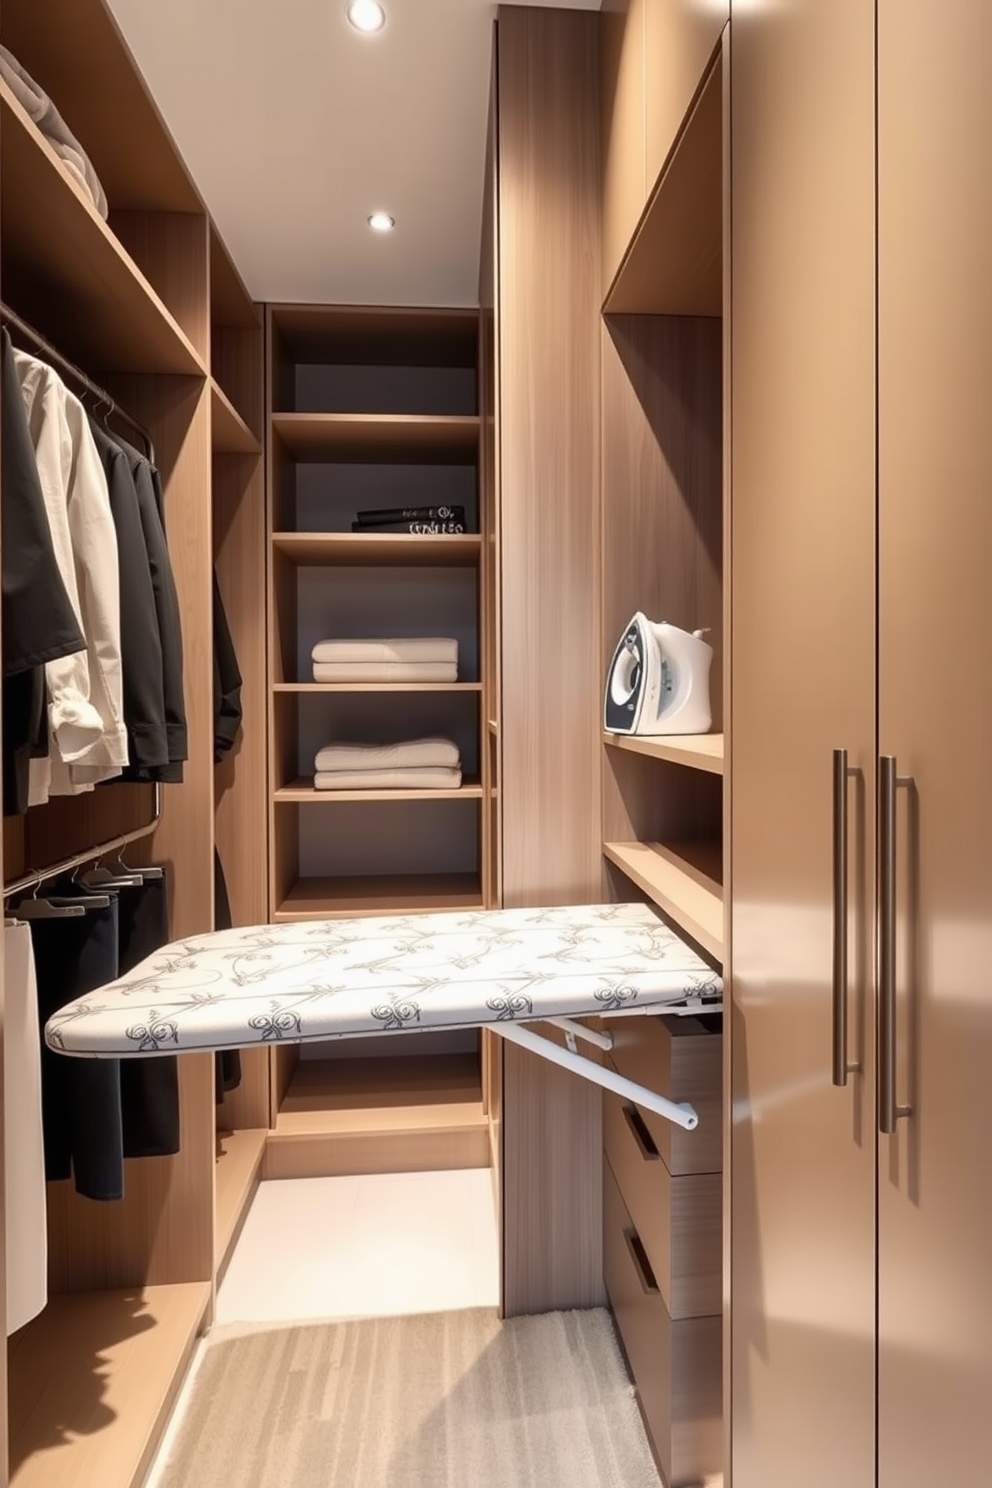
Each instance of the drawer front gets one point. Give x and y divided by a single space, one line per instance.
681 1058
678 1219
676 1364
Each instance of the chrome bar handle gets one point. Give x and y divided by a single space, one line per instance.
839 1074
888 1110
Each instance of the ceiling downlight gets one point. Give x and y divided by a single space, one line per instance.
366 16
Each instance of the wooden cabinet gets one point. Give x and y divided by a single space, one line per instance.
858 1255
662 1241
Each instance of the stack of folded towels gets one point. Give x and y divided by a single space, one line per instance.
407 659
418 764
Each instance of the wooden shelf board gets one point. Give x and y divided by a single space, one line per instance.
390 549
416 893
674 265
93 1380
303 793
231 435
306 688
683 879
85 290
239 1158
698 751
384 438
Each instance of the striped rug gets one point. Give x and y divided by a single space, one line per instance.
447 1400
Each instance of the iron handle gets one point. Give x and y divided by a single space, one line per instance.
840 1065
888 1109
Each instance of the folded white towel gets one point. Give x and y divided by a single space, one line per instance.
418 779
437 753
403 648
385 671
42 112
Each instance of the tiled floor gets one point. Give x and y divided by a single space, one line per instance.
358 1247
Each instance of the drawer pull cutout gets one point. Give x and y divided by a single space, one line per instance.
640 1133
642 1265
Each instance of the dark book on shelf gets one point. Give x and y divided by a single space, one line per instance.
423 529
385 516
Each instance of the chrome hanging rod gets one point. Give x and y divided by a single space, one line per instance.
62 363
88 855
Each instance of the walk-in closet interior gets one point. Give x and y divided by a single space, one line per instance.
727 367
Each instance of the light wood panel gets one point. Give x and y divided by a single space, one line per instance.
237 1170
552 1185
680 37
309 688
230 433
99 1422
623 103
674 263
66 269
683 880
680 1058
172 250
385 438
390 549
549 454
417 893
303 792
699 752
231 305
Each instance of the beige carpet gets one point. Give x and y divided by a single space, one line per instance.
448 1400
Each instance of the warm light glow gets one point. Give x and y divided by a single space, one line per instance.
366 15
381 222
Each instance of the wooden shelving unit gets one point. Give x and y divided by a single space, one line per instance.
303 792
68 257
308 689
413 893
239 1162
683 880
380 1115
100 1421
698 751
231 435
379 437
386 549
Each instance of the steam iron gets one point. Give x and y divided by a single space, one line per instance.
658 682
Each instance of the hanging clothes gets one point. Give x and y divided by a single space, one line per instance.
39 623
88 741
148 487
227 681
81 1098
141 645
149 1087
25 1210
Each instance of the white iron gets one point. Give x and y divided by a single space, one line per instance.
658 682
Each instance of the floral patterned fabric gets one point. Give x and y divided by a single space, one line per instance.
336 978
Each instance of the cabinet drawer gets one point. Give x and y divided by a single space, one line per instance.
678 1219
676 1364
681 1058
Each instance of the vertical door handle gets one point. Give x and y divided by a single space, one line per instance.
888 1110
841 1066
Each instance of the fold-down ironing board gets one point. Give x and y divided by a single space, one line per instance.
341 978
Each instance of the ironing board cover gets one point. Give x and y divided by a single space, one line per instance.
333 978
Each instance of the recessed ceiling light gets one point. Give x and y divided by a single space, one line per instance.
366 15
381 222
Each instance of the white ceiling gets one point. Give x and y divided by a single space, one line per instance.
295 128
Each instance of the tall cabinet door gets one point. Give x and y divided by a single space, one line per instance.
935 594
802 1347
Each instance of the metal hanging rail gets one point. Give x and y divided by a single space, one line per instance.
76 374
38 876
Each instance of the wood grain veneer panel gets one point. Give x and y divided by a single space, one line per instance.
236 360
681 1058
680 37
622 91
231 305
549 453
236 1176
171 249
250 1104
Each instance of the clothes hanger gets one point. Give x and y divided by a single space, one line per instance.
58 906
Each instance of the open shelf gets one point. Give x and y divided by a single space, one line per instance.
105 311
93 1380
390 549
683 879
239 1158
407 1113
315 687
389 438
698 751
304 793
230 433
385 894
